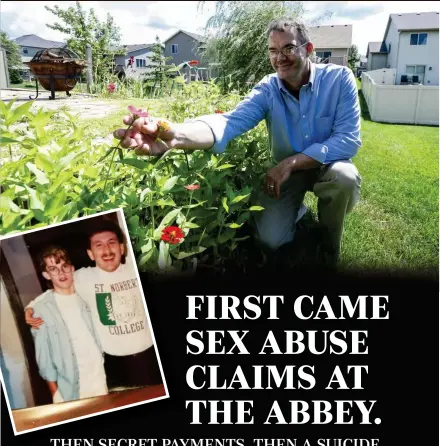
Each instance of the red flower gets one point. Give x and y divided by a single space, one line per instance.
193 62
192 186
138 112
219 111
111 87
172 235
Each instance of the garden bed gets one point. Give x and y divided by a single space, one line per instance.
61 173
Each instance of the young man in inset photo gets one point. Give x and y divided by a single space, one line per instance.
68 352
112 292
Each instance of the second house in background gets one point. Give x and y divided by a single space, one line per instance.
332 43
410 46
134 61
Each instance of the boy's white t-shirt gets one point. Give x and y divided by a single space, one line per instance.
90 361
117 308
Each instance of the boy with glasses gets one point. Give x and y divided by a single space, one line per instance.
68 352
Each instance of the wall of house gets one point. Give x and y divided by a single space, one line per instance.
376 61
187 49
31 51
134 72
403 104
12 357
369 61
336 52
427 55
393 39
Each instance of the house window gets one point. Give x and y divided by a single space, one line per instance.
322 55
140 63
415 70
419 39
25 50
174 48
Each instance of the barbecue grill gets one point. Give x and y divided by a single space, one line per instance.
56 69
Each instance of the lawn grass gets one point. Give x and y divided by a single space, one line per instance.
25 84
394 226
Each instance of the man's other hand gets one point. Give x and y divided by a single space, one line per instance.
30 320
276 176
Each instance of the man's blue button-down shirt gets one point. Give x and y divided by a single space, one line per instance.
324 124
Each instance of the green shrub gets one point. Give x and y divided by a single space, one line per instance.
53 172
14 77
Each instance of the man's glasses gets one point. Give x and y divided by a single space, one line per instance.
66 268
286 51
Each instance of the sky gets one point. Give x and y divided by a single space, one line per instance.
141 21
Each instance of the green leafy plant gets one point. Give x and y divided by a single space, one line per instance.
54 172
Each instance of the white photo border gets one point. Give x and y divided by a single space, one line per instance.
133 259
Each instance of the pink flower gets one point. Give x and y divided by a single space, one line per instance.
137 112
111 87
192 186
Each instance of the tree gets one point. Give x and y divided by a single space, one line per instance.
13 57
353 57
84 28
236 36
158 65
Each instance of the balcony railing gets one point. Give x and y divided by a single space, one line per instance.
337 60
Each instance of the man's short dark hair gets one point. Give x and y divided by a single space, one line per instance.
286 24
56 252
104 225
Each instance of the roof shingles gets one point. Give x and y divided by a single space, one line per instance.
416 21
331 36
132 48
34 41
377 47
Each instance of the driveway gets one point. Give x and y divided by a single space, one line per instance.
85 105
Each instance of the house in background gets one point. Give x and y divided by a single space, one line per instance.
332 43
361 65
411 47
139 54
376 56
183 46
30 44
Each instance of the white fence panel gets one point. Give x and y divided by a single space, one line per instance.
384 76
427 110
401 104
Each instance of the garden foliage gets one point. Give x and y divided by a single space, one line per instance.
53 172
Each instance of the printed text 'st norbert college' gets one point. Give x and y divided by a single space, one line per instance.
117 309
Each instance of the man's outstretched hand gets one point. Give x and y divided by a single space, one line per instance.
147 136
34 322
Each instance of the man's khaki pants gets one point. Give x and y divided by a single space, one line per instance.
337 187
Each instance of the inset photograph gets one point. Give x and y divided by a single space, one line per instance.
76 339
